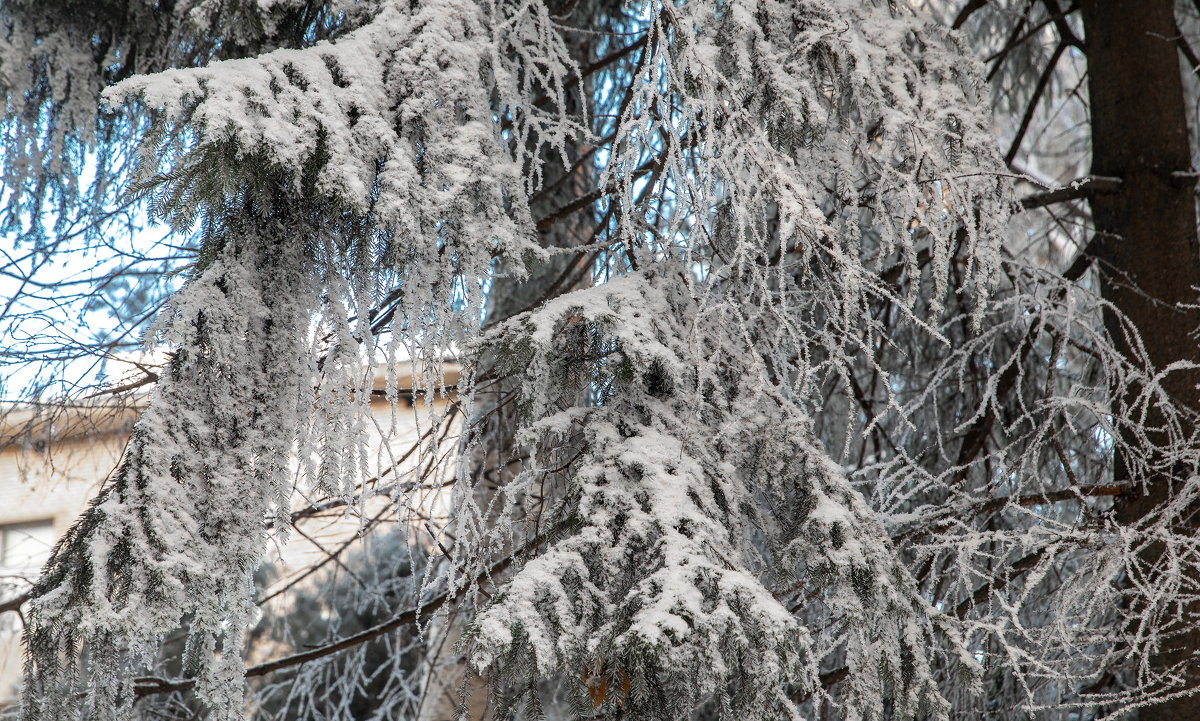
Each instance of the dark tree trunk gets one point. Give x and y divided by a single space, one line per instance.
1149 260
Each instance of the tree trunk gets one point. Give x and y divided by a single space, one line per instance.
1149 263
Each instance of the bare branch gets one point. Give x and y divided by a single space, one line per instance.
1078 189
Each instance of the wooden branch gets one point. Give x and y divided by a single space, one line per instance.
334 556
1186 49
15 603
1078 189
967 11
991 505
650 166
610 58
1017 38
1082 261
334 503
1065 33
147 379
1039 89
981 594
827 680
864 403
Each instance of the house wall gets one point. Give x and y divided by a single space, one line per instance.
38 484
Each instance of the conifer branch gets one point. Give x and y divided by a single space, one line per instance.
1079 189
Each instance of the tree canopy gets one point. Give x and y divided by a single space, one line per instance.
785 391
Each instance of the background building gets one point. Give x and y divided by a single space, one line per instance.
53 459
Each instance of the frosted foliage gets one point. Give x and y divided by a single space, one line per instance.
852 123
676 532
648 586
1012 520
404 103
58 55
655 592
163 539
399 119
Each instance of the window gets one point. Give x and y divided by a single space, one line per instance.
26 546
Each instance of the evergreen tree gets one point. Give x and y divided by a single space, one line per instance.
768 409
